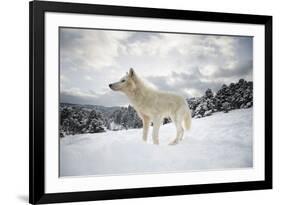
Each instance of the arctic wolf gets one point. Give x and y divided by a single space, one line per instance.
153 105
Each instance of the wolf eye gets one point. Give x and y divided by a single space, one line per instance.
122 81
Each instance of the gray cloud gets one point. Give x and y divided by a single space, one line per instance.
184 63
242 70
188 85
110 98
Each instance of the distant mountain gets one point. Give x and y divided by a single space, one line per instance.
100 108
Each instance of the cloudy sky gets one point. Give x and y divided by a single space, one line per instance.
187 64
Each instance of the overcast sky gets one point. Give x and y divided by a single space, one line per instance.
184 63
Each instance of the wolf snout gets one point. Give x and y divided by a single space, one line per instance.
110 85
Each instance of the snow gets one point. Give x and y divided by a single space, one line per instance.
220 141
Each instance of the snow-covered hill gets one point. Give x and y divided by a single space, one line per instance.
221 141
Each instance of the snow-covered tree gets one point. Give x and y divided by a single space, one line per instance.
235 96
75 120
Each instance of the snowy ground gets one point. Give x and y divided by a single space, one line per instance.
221 141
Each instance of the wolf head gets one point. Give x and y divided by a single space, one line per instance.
126 84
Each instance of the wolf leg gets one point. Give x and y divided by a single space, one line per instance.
180 132
145 122
155 132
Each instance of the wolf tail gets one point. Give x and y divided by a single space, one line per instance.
187 119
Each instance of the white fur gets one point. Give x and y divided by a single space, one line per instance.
153 105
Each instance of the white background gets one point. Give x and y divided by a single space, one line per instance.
14 100
69 184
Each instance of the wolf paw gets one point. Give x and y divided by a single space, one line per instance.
156 142
144 139
174 142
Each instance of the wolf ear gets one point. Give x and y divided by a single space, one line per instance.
131 72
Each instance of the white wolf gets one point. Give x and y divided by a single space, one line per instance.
153 105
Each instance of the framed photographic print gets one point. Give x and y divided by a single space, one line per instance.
140 102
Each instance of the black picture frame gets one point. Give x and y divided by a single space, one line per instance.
37 9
